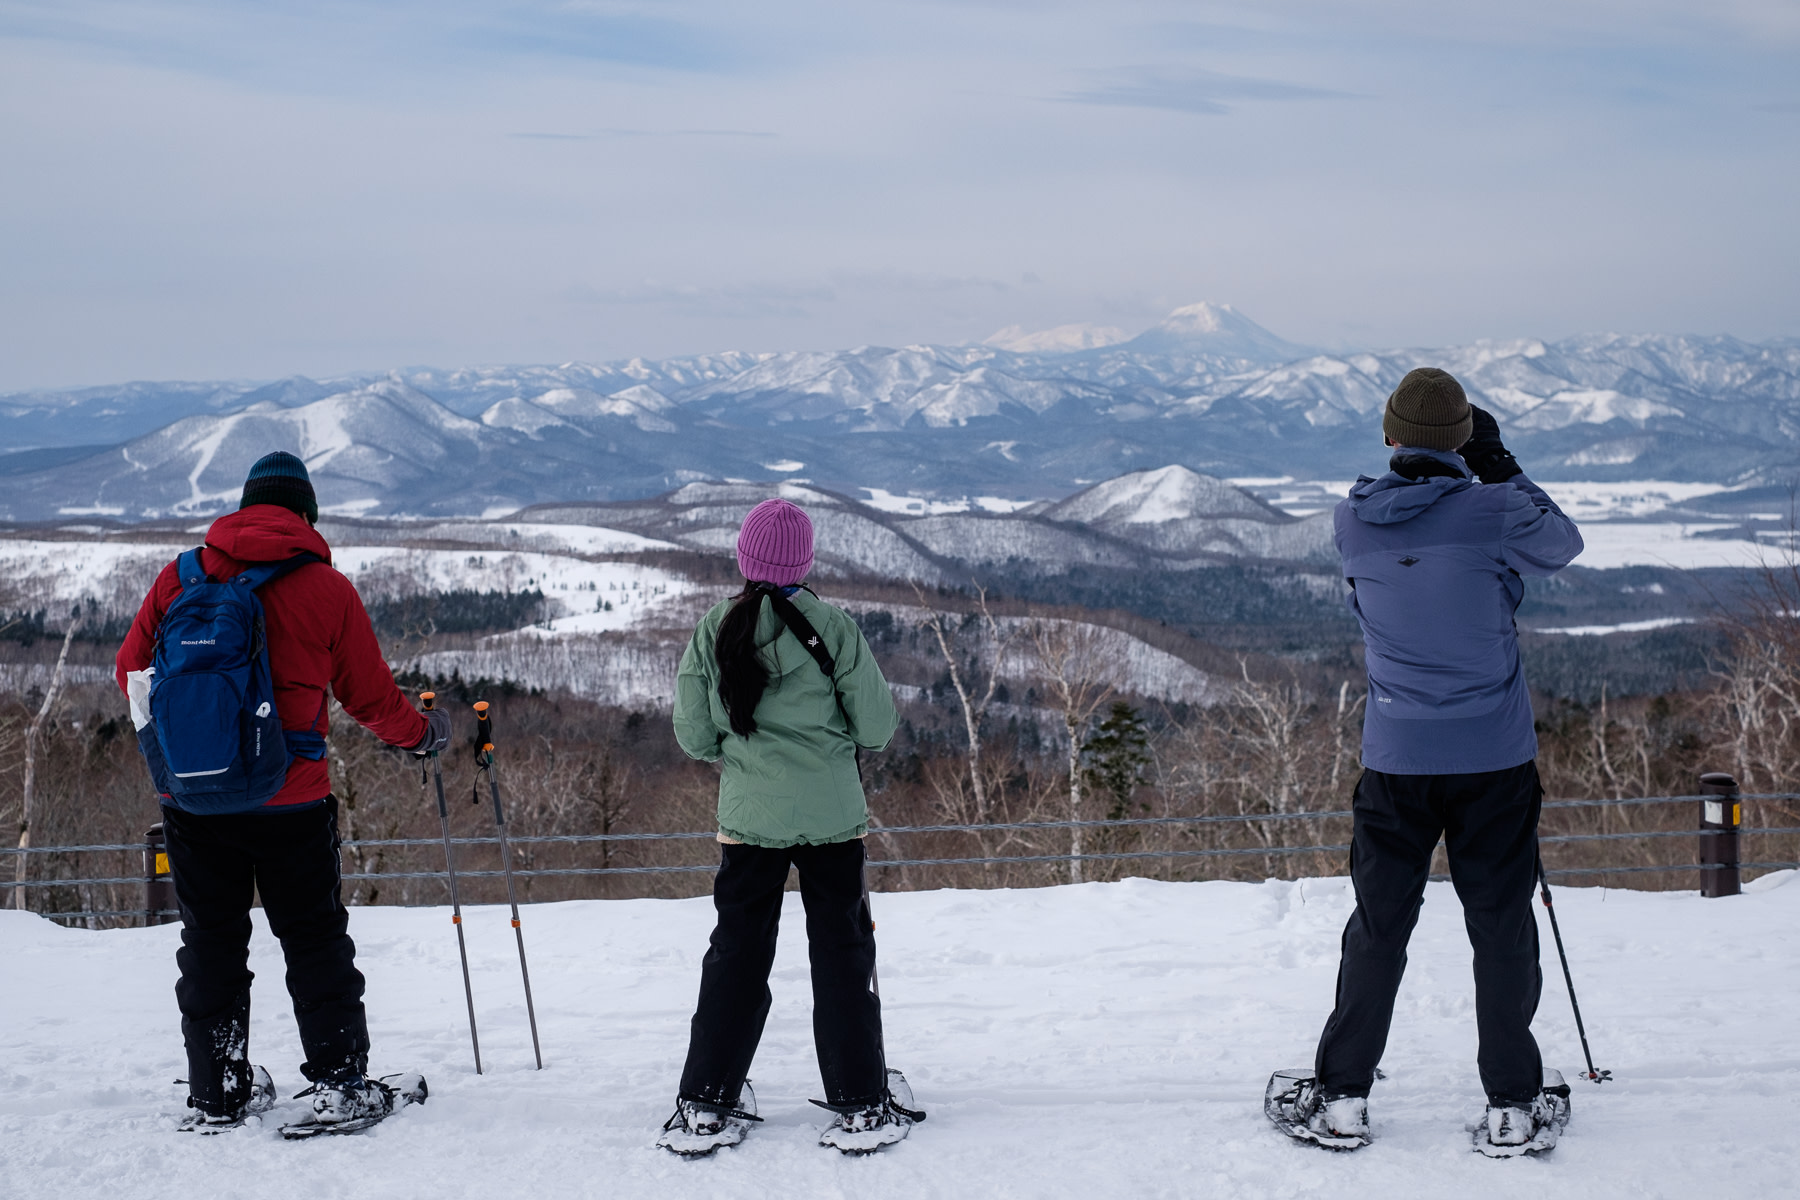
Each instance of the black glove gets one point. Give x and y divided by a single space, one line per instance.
1486 455
437 732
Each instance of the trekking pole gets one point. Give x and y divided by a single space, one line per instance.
437 773
874 975
1544 885
484 757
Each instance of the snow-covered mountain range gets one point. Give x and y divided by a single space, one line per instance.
1166 519
1207 389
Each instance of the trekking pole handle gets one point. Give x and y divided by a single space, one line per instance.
484 728
428 699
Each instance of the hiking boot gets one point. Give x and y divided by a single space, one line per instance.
865 1130
262 1099
350 1098
695 1130
1340 1117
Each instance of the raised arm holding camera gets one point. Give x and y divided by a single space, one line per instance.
1435 552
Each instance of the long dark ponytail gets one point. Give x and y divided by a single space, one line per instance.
742 675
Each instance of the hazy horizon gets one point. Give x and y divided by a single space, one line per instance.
357 372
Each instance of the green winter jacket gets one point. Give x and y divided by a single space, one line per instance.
794 781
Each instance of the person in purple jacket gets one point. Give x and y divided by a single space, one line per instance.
1435 552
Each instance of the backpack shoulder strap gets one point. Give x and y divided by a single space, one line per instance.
189 570
801 628
259 574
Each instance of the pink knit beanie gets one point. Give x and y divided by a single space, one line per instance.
776 544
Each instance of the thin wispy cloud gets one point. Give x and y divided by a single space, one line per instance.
599 135
1186 90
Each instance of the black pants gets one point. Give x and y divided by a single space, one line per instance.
291 860
734 977
1488 821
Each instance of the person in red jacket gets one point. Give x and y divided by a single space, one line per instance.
320 646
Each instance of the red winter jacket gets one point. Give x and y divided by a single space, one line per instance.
319 637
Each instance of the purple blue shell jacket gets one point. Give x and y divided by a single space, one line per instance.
1434 565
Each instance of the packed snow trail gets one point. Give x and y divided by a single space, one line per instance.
1086 1041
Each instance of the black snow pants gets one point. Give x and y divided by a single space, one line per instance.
290 859
1488 821
734 976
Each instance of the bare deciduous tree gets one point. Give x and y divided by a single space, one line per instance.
1071 661
975 683
34 735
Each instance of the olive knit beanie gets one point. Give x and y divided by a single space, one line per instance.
1428 410
775 544
280 478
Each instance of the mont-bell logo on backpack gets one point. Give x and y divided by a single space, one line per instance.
212 696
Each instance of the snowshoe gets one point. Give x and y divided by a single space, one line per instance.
356 1103
262 1099
1293 1103
864 1129
694 1131
1507 1132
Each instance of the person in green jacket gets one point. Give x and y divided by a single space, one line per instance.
781 690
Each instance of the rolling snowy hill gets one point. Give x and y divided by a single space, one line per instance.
1092 1041
1207 389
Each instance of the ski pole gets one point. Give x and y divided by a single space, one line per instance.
437 774
485 759
1544 885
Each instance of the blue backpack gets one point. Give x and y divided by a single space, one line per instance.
214 742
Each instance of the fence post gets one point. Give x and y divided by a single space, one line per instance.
159 888
1719 822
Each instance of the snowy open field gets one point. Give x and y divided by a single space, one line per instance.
1094 1041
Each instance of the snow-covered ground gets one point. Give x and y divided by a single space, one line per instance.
120 573
1666 544
1623 627
891 502
1094 1041
1617 521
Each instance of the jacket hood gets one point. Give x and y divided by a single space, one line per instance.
1395 497
265 533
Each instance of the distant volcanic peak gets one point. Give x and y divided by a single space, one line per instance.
1214 330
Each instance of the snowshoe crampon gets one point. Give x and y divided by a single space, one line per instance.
262 1099
1293 1105
356 1105
1502 1132
695 1131
867 1128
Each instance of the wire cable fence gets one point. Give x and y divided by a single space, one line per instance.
1634 841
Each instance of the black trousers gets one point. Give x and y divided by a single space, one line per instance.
291 860
1488 821
734 976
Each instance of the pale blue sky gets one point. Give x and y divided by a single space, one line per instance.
206 189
